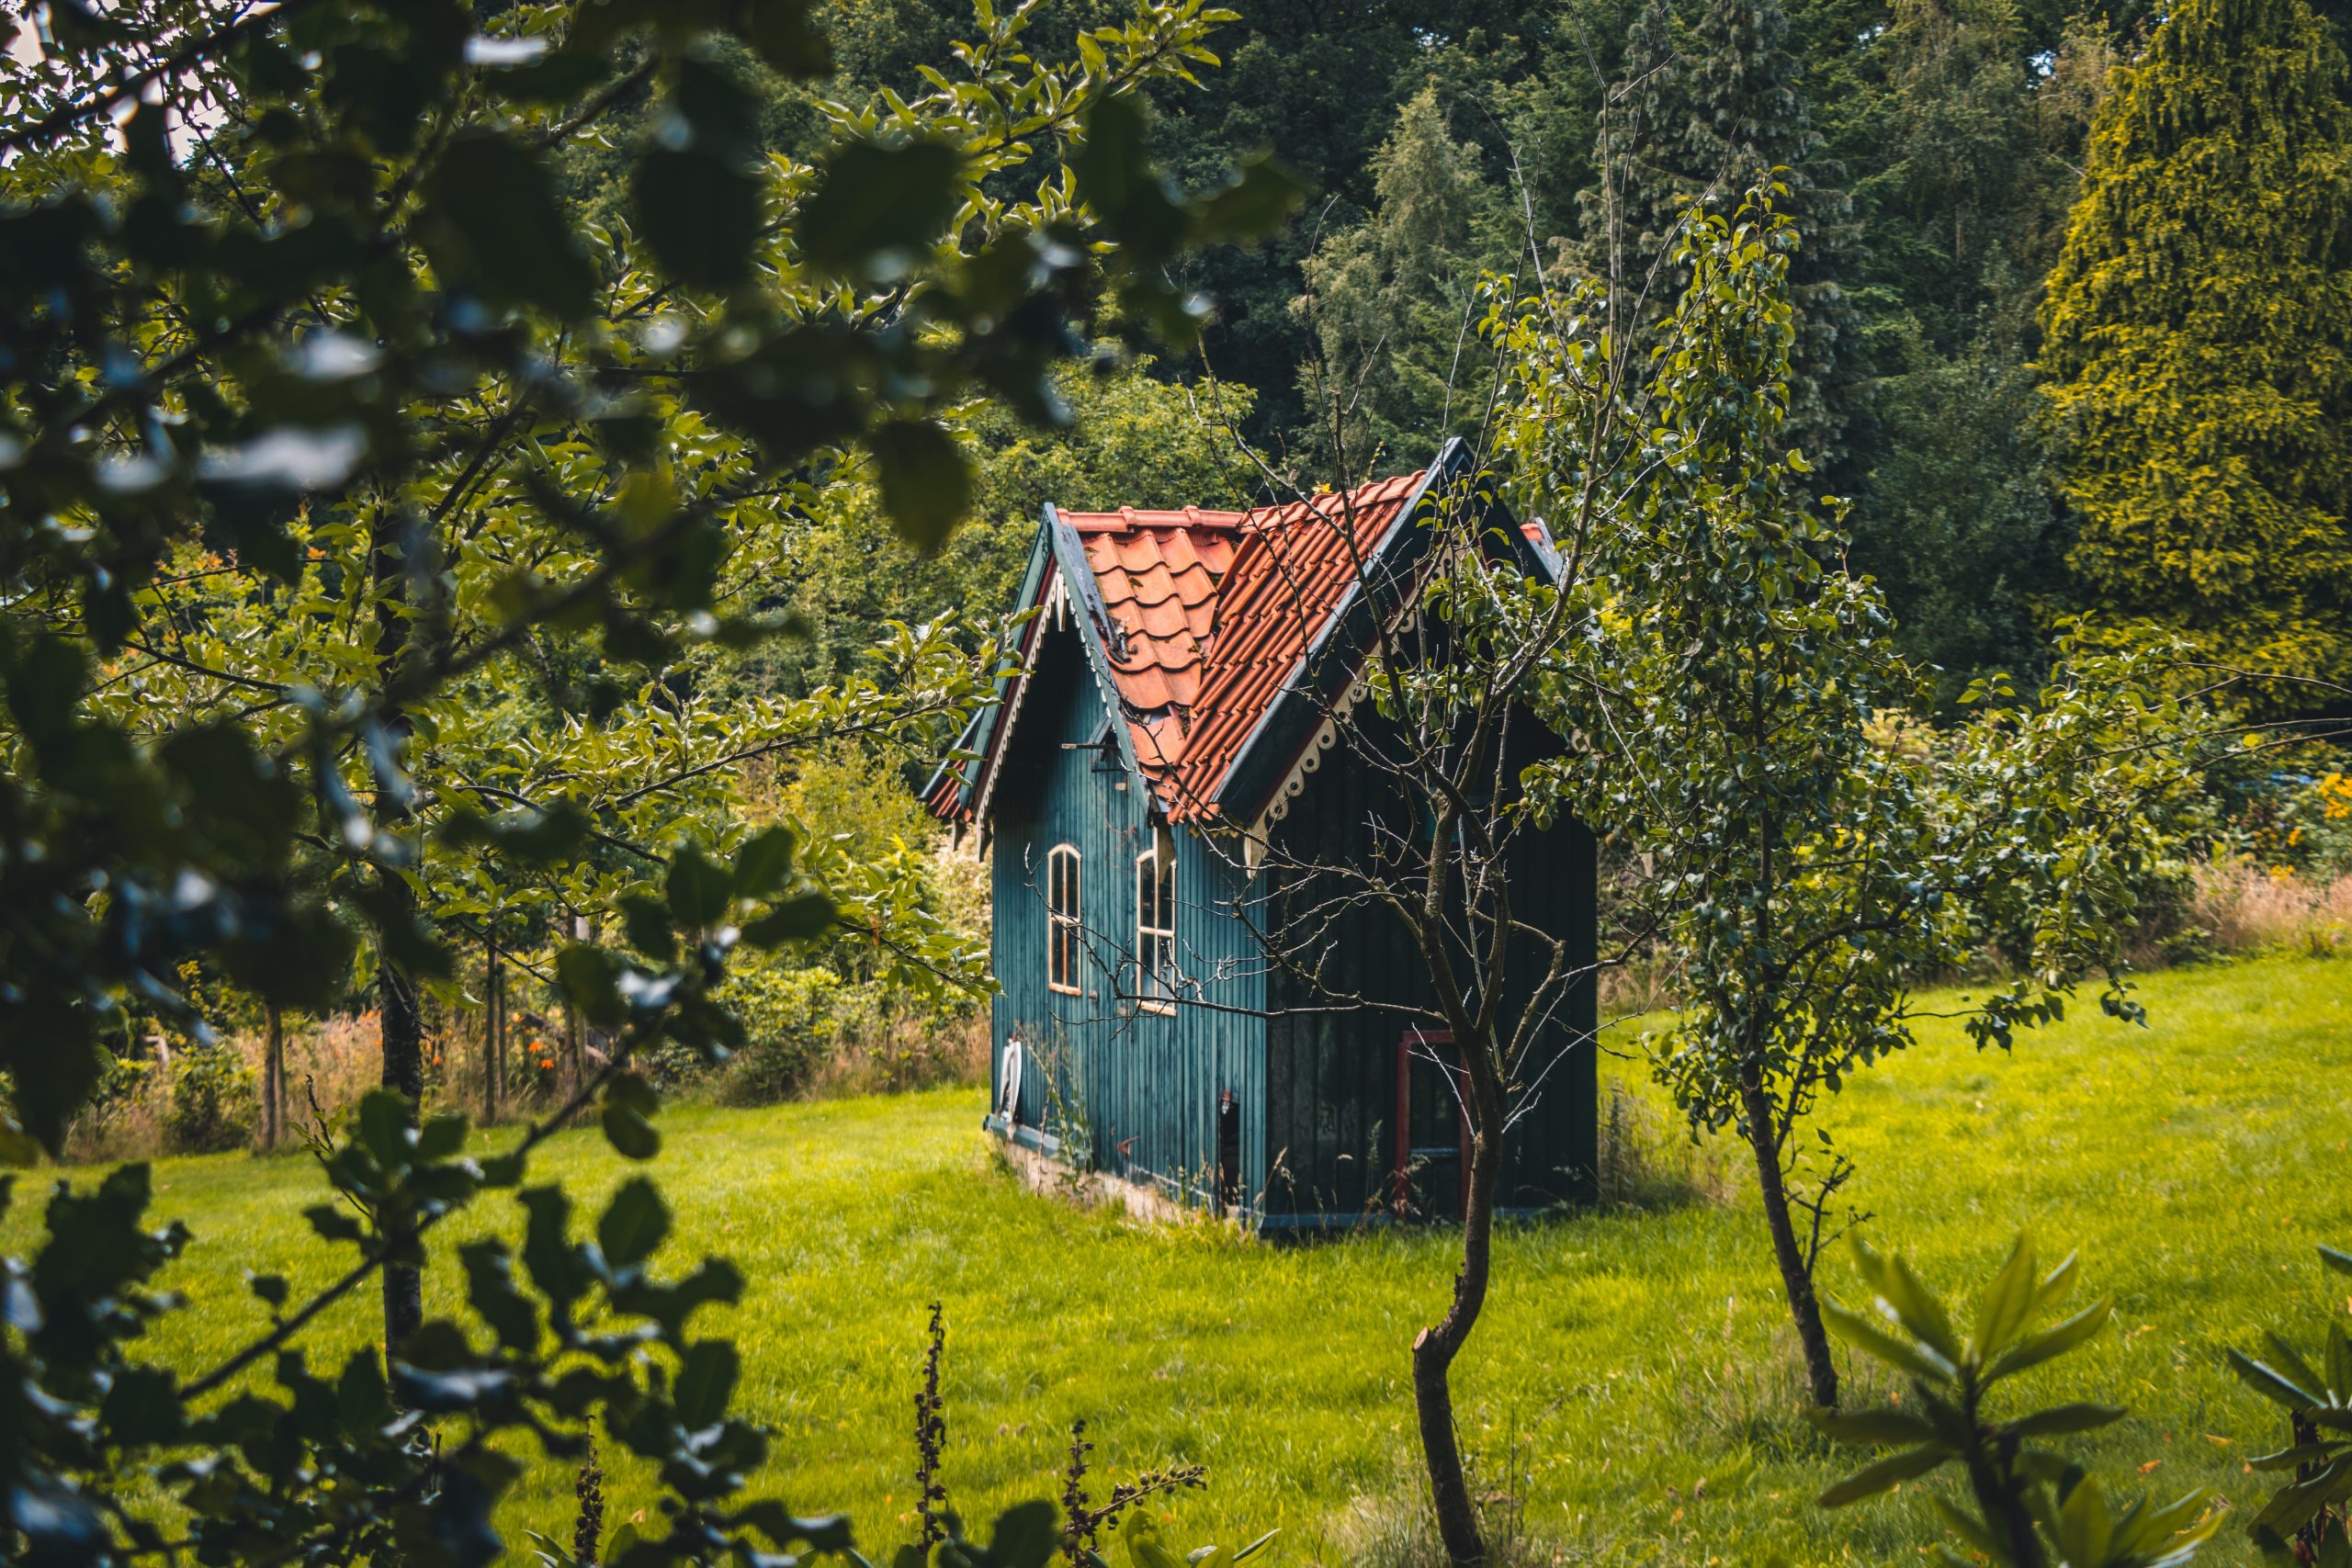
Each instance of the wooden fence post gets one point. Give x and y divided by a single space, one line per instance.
575 1054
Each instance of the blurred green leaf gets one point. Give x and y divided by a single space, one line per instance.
874 204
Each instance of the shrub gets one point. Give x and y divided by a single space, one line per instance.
791 1018
214 1102
2302 819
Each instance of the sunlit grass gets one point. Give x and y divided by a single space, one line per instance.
1630 1388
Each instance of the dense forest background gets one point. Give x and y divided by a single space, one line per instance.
1935 148
2073 304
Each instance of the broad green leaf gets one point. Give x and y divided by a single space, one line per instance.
874 203
633 1224
1026 1535
697 889
2060 1419
630 1134
2003 1308
491 224
706 1381
926 485
1866 1336
699 214
2056 1340
801 918
764 863
1880 1428
1255 1546
2270 1384
1873 1479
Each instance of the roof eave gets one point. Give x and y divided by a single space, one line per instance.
979 735
1095 629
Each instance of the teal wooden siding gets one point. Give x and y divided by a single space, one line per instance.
1316 1088
1331 1075
1140 1087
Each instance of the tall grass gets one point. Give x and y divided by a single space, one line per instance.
331 1062
2247 909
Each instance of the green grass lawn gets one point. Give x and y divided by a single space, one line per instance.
1631 1385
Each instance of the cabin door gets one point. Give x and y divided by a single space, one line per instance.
1431 1173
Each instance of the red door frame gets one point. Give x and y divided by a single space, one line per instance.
1400 1199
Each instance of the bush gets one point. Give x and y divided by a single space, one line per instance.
2303 823
214 1102
792 1018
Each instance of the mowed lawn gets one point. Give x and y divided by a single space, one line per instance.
1630 1388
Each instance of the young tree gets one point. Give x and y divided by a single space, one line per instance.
1723 705
2198 343
1423 833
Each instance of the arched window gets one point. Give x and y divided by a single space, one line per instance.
1156 929
1061 919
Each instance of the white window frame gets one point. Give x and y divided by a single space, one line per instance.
1062 925
1155 942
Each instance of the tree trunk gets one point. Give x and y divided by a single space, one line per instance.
504 1062
1435 1348
1797 1278
402 1026
575 1054
493 1046
403 1035
273 1076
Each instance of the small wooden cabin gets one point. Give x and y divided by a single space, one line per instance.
1171 715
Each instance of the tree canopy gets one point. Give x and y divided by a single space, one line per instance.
2200 342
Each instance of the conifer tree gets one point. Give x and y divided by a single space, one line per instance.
1700 120
1394 300
2198 343
1631 217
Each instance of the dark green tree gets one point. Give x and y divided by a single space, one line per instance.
1955 520
2200 345
1638 199
1138 441
1697 120
1320 85
1962 159
1394 302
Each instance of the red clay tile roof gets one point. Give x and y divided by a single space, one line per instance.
1158 573
1214 610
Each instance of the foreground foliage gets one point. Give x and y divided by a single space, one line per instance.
2029 1505
369 528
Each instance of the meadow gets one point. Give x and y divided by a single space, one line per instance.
1630 1396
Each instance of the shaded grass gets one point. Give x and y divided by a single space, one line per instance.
1631 1392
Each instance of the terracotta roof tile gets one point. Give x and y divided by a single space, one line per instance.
1294 566
1214 610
